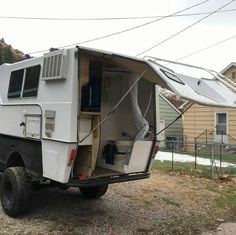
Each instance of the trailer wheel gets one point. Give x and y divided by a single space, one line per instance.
93 192
16 191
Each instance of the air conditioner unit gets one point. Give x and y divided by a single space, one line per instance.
54 65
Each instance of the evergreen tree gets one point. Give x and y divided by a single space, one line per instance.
8 54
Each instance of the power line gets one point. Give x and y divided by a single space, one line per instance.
206 48
128 29
184 29
107 18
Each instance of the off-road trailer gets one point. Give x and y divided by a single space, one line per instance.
85 118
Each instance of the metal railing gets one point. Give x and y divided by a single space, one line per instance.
209 136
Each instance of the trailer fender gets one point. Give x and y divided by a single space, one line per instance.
14 160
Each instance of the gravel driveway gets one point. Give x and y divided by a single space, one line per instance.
163 204
56 211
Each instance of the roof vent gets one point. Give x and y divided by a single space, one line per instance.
54 65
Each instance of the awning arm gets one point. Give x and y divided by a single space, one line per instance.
178 63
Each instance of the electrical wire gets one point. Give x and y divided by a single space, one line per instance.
107 18
184 29
206 48
125 30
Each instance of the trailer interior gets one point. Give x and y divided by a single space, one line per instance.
124 142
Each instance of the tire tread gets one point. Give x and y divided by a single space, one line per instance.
23 192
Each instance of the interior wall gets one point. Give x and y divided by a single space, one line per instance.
121 126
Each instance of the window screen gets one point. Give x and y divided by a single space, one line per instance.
31 81
15 85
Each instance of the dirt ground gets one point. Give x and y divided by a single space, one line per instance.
167 203
223 229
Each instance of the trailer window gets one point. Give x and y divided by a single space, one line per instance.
172 76
15 85
31 81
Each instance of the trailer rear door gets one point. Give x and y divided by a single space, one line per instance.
212 91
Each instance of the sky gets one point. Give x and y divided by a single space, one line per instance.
36 35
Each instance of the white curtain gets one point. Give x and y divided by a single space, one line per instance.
140 122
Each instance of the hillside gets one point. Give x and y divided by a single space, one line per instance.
9 54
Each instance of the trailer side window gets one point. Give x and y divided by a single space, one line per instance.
29 77
15 85
31 81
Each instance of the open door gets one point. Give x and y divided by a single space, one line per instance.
213 91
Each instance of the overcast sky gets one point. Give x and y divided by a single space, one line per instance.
34 35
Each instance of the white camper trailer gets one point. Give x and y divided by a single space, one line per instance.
85 118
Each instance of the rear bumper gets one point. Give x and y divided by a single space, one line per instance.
108 179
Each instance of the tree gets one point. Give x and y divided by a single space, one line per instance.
8 54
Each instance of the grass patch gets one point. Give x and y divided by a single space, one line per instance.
170 202
147 203
207 216
182 167
206 153
226 157
229 170
192 224
189 168
227 197
213 187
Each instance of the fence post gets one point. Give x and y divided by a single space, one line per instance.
221 158
172 149
195 154
212 159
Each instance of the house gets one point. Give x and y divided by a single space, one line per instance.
230 71
168 113
206 123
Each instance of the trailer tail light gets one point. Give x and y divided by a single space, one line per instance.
156 149
83 177
72 157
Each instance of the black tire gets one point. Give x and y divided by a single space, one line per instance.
16 191
93 192
63 187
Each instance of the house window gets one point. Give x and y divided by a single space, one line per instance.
31 81
233 75
27 78
15 85
221 124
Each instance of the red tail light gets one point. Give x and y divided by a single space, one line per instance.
72 157
72 154
83 177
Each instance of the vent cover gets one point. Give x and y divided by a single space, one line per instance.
54 65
